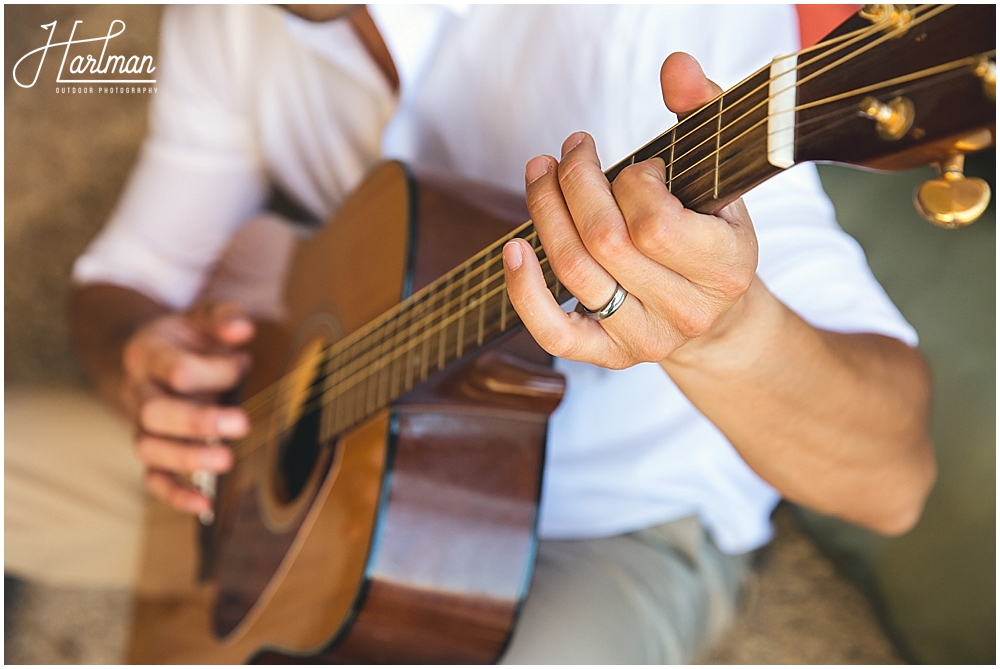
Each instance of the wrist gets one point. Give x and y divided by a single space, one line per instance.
738 337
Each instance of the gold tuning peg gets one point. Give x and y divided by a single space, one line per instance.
952 200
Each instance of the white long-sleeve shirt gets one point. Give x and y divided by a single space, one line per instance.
253 95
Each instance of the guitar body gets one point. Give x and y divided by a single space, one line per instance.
410 538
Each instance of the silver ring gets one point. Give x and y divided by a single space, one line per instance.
608 309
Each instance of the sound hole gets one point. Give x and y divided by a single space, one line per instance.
300 448
297 457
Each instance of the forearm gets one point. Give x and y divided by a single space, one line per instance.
835 422
102 318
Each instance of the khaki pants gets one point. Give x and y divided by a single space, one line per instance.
73 509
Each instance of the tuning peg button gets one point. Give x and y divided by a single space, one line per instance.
986 70
952 200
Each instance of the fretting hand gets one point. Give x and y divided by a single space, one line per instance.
685 273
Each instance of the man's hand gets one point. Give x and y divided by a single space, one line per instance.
685 272
837 422
174 369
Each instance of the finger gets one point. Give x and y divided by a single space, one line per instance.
570 336
684 85
691 244
572 263
165 487
184 371
173 456
176 417
597 216
226 322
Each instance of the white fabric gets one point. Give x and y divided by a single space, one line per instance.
250 93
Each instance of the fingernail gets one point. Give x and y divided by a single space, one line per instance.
231 425
512 255
536 167
572 142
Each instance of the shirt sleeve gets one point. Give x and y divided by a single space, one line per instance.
805 259
199 175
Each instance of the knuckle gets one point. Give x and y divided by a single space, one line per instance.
573 269
538 199
134 355
609 241
735 282
634 175
651 234
556 342
179 376
572 170
693 323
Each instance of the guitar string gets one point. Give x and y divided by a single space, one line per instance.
359 376
847 39
394 334
353 383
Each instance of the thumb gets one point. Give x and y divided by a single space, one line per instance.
226 322
684 85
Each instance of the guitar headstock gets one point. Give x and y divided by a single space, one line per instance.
895 88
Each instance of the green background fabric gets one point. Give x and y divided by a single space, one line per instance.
935 587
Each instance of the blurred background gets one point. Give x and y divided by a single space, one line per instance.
820 587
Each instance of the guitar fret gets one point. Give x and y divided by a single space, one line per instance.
325 418
338 413
504 298
670 166
718 137
424 358
460 335
484 280
394 377
443 330
376 379
356 411
369 404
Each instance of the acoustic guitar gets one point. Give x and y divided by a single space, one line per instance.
383 509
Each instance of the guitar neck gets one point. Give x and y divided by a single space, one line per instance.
794 109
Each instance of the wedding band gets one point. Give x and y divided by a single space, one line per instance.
611 307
